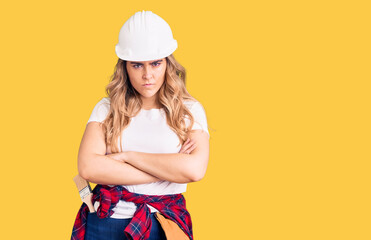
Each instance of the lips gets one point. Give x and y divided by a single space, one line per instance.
149 84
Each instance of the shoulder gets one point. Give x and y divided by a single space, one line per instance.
188 103
100 110
105 101
196 109
193 104
199 115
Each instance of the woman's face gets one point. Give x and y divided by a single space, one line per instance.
147 76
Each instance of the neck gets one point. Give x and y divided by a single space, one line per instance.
149 103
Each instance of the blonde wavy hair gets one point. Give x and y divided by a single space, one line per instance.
125 102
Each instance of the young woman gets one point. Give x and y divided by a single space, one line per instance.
144 142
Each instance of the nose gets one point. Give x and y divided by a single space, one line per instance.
147 73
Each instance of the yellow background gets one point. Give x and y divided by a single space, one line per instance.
285 86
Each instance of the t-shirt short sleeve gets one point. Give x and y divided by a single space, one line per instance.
199 115
100 111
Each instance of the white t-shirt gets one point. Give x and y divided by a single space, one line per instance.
149 132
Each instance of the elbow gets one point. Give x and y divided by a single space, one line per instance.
188 176
196 176
84 175
197 169
83 170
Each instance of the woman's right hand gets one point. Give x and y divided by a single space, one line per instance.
188 146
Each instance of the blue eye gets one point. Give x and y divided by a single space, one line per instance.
155 64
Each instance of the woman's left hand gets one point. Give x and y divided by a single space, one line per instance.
188 146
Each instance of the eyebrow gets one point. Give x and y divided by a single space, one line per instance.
142 63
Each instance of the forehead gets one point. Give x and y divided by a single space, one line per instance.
146 62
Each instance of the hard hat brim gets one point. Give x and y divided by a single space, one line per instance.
129 56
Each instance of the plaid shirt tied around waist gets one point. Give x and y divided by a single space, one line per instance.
171 206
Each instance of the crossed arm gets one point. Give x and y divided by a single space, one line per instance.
137 167
174 167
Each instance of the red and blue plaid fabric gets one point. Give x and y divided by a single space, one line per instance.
171 206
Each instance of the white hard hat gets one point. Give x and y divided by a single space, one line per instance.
145 36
